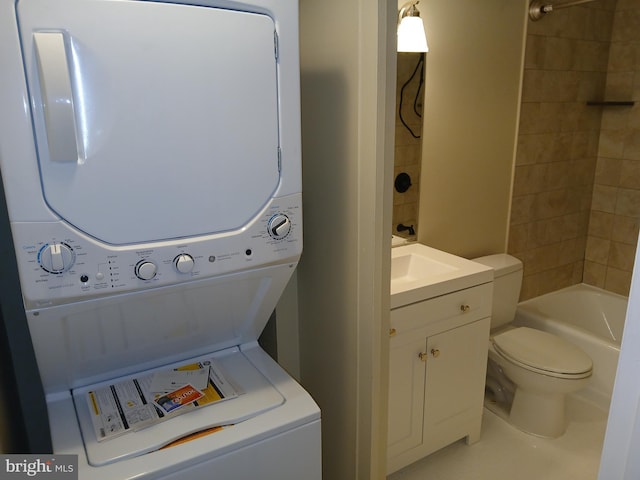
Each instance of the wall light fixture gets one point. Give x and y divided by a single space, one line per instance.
411 34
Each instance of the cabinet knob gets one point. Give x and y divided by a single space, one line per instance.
423 356
464 308
392 332
435 352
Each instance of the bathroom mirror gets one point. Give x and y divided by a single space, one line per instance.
408 143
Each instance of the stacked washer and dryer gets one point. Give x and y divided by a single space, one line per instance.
150 154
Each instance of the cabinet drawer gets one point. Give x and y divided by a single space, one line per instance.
457 308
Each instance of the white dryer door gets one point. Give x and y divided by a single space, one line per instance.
152 120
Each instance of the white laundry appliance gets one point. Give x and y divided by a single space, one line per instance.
150 155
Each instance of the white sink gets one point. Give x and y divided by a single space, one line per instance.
412 267
419 272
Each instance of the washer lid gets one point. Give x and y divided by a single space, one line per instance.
542 351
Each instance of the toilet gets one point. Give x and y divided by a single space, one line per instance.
532 369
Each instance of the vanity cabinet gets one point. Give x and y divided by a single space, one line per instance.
438 359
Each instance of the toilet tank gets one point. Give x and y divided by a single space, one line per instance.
506 286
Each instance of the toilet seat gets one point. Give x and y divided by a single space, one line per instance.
543 353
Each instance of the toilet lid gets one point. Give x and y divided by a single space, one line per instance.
542 351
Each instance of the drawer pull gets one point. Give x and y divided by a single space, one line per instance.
423 356
435 352
464 308
392 332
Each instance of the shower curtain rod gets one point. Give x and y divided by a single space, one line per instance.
538 8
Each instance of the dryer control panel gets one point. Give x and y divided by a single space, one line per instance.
59 264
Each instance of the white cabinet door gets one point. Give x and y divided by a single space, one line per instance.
455 373
406 394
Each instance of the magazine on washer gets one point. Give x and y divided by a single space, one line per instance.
150 399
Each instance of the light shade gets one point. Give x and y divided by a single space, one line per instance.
411 35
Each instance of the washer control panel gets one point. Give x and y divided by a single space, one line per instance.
57 264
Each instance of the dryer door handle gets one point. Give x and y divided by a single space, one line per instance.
57 96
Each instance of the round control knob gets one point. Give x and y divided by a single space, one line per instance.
279 226
146 270
184 263
56 257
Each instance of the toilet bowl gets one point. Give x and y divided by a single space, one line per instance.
542 368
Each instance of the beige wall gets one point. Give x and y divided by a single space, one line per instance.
615 210
343 277
472 96
565 66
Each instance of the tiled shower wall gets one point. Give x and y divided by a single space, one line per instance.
566 61
615 210
408 149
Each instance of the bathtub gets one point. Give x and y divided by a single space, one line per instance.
588 317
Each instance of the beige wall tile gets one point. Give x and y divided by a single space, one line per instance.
615 118
618 281
612 143
621 256
594 274
544 232
559 53
625 229
626 26
601 20
608 171
604 198
571 250
628 202
597 250
601 224
630 174
522 209
530 178
633 117
536 47
622 57
542 258
574 225
619 85
549 280
632 145
559 175
407 155
518 238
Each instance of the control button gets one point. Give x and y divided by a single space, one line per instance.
146 270
56 257
184 263
99 276
84 278
279 226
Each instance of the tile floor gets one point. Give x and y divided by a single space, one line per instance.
505 453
